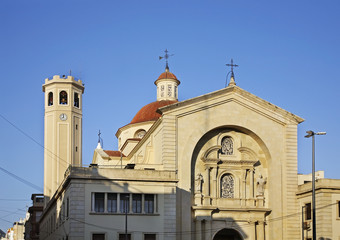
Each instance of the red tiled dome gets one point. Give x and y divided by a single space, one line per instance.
167 75
148 112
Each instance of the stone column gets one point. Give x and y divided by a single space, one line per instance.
143 209
252 183
198 231
260 230
208 231
206 186
214 192
130 203
118 203
105 202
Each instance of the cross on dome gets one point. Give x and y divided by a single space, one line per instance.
166 56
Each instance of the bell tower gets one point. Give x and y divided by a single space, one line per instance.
63 129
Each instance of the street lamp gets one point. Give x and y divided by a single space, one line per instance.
312 134
126 203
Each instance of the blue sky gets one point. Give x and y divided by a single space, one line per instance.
287 52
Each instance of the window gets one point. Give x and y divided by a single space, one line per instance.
128 203
67 207
112 202
50 99
37 216
98 236
63 98
124 202
227 146
162 91
169 90
140 133
308 210
149 236
149 203
227 186
338 209
76 100
99 202
122 236
137 203
64 211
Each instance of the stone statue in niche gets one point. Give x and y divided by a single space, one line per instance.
227 146
227 186
198 183
260 182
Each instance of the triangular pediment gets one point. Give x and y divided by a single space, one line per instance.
231 94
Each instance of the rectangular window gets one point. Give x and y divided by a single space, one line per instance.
98 236
149 203
338 209
63 211
67 207
308 209
124 202
149 236
112 202
76 100
37 216
137 203
99 202
123 237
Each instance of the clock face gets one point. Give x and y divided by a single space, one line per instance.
63 116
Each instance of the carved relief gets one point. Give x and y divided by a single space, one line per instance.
260 182
198 183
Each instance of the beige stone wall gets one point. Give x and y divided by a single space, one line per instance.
326 198
273 129
81 222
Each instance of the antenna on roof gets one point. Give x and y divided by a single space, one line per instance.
166 56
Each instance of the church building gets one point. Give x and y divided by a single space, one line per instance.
218 166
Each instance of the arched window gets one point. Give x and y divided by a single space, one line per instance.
140 134
63 97
50 99
227 186
227 146
76 100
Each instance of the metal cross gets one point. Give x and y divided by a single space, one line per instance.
232 65
166 56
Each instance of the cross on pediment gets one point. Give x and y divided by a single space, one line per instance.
232 65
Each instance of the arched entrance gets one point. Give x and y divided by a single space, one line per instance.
227 234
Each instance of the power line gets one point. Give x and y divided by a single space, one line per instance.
22 180
31 138
8 199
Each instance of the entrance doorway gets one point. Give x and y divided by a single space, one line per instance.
227 234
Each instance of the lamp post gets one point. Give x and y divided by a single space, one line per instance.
126 202
312 134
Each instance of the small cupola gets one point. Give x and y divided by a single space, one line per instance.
167 86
